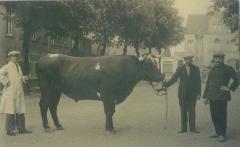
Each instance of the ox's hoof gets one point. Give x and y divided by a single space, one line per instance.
48 130
59 128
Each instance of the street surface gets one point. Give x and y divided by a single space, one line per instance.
139 122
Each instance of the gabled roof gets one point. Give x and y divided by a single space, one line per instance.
197 24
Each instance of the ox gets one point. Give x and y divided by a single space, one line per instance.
109 79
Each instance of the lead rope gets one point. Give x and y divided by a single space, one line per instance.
166 100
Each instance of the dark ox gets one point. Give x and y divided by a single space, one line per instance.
108 79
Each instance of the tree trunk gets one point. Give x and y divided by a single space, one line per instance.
75 49
25 49
104 45
125 47
159 59
76 41
150 50
136 46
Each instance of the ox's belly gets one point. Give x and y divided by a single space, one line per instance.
82 94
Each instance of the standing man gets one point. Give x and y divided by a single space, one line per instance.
188 92
12 101
217 92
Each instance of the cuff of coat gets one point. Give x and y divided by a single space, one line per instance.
4 81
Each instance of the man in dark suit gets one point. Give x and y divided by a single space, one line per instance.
188 92
217 92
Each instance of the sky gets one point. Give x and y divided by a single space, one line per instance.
186 7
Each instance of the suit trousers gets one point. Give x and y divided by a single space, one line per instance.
188 113
218 109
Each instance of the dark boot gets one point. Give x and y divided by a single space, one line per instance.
20 119
10 124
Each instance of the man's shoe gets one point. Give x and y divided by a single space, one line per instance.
214 136
182 131
221 138
194 131
11 133
25 131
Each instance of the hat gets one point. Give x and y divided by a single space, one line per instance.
13 53
187 56
218 54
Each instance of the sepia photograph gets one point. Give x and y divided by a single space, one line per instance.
119 73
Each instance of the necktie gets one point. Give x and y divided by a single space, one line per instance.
17 67
188 70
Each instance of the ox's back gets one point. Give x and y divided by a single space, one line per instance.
90 77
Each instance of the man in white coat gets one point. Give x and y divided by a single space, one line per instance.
12 102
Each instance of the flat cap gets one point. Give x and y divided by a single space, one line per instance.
13 53
218 55
188 55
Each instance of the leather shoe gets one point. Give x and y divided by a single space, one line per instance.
214 136
182 131
194 131
221 138
11 133
25 131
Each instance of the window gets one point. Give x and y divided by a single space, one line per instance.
180 62
34 38
190 45
33 71
9 22
167 66
217 45
233 45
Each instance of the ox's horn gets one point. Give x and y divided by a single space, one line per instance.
157 56
142 57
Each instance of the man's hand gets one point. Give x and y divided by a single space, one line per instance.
198 97
8 84
206 101
224 88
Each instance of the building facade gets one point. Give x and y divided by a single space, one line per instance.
204 36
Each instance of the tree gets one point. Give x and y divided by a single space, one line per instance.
230 14
149 23
103 31
72 19
28 16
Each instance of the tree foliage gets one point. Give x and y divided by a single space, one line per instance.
138 23
231 12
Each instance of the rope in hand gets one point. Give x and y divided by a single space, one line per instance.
158 93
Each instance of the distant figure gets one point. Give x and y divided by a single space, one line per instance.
189 91
12 100
217 91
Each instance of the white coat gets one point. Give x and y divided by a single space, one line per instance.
12 100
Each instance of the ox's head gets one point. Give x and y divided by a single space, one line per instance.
149 68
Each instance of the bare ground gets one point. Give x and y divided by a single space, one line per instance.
139 122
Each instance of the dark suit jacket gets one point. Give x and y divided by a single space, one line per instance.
220 76
189 86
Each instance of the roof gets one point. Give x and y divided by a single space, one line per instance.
197 24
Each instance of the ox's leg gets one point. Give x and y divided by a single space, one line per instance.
109 109
53 108
43 104
44 101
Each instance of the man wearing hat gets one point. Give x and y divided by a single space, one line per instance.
217 92
12 101
188 92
